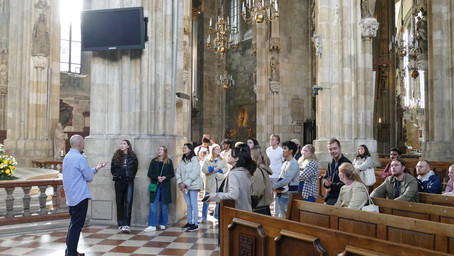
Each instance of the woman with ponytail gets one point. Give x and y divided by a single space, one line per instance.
353 194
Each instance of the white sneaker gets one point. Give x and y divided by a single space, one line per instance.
120 228
149 229
162 227
126 229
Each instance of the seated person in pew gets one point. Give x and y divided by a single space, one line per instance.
288 179
354 193
331 180
393 154
449 186
400 185
430 180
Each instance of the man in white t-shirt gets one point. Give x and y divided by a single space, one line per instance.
274 153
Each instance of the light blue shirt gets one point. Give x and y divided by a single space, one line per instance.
76 174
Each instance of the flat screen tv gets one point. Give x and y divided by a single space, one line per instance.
113 29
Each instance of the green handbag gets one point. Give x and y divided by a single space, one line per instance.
152 187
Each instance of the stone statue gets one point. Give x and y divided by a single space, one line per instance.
274 63
367 8
41 43
59 142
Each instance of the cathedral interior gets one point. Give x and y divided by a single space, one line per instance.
369 72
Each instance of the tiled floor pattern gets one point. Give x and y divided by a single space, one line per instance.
107 240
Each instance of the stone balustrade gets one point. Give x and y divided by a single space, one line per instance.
57 209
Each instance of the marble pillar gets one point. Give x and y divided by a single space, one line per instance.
344 70
33 78
439 132
133 96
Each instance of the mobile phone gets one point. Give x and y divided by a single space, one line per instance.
205 198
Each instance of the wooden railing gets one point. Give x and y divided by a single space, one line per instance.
57 209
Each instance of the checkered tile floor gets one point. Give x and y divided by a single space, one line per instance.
107 240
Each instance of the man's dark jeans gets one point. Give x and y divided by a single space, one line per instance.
78 214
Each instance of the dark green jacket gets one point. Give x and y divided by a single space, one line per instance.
154 171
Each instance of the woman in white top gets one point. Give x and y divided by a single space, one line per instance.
189 182
362 162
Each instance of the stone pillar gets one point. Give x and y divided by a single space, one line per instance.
439 132
133 97
33 78
344 70
284 73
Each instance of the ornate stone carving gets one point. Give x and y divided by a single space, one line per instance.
317 41
66 114
369 28
41 43
3 78
275 87
41 4
39 62
275 44
367 8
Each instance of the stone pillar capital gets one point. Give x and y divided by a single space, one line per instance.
369 27
275 86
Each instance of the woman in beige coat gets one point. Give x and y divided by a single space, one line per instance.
261 184
354 193
215 170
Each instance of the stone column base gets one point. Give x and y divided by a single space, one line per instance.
440 151
102 208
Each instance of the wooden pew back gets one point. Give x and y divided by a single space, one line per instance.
428 198
247 233
416 232
437 213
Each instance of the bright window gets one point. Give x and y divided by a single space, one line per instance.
70 43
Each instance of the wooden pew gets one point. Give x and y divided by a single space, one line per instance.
420 233
428 198
437 213
247 233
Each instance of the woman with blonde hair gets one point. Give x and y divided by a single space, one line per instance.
354 193
261 183
214 169
160 172
309 172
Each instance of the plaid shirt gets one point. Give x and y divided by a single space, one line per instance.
309 173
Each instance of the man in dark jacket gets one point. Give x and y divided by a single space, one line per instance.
430 180
331 180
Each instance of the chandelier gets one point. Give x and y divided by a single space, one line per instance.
222 37
226 81
259 10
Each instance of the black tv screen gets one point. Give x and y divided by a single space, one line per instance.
112 29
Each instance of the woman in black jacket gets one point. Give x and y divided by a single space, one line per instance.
124 169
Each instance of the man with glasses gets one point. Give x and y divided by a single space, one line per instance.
430 180
394 154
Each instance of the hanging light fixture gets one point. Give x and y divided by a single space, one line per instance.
226 80
220 35
259 10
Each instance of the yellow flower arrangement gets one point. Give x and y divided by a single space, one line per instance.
7 164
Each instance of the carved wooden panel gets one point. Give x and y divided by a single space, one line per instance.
316 219
291 243
246 238
411 237
357 227
411 214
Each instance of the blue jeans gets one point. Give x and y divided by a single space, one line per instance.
191 203
282 202
309 199
155 211
78 214
205 210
